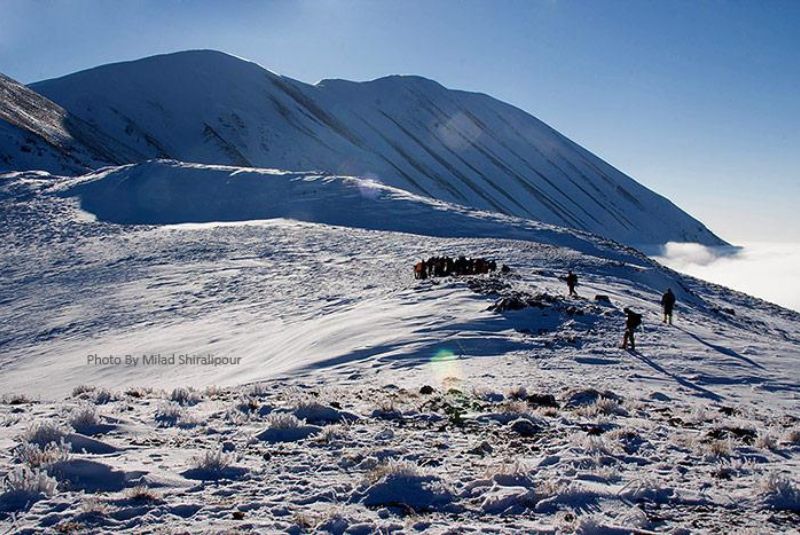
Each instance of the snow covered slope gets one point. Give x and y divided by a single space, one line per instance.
455 417
323 232
406 131
36 133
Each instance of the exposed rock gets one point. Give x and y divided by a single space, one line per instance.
542 400
525 428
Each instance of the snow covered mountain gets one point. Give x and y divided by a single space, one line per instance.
405 131
36 133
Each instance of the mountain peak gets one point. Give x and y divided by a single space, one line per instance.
199 60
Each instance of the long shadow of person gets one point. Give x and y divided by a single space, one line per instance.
704 392
724 350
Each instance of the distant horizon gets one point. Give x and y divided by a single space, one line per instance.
696 102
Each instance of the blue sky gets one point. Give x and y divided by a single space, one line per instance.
697 100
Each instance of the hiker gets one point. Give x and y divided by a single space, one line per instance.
632 322
572 281
668 303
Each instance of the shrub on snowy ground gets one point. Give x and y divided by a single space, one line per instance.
514 407
23 486
333 433
628 438
714 449
185 396
509 474
607 473
142 493
213 391
80 390
257 390
285 427
213 465
386 408
102 396
595 444
510 411
698 416
37 456
16 399
604 406
779 492
246 404
766 440
555 494
84 418
399 483
43 433
726 469
168 414
303 520
139 392
610 407
549 412
792 436
587 396
282 420
213 461
647 489
392 468
235 416
519 393
92 506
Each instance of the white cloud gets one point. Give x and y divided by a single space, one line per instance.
770 271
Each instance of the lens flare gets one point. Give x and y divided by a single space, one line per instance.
445 366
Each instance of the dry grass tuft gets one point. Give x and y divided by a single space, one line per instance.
392 468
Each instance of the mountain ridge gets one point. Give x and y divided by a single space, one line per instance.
404 130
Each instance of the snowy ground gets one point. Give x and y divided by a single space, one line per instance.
696 431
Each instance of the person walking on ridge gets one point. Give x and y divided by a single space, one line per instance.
632 322
572 282
668 303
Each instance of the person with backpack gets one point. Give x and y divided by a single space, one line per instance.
572 282
668 303
632 322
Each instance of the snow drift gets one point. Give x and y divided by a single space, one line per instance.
169 192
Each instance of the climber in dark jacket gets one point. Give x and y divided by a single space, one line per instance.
572 281
668 303
632 322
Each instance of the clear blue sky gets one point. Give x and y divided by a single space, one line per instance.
699 100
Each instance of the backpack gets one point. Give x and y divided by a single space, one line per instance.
635 319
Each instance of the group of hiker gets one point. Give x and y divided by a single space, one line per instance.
632 319
445 266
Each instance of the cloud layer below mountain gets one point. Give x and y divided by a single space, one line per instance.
765 270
